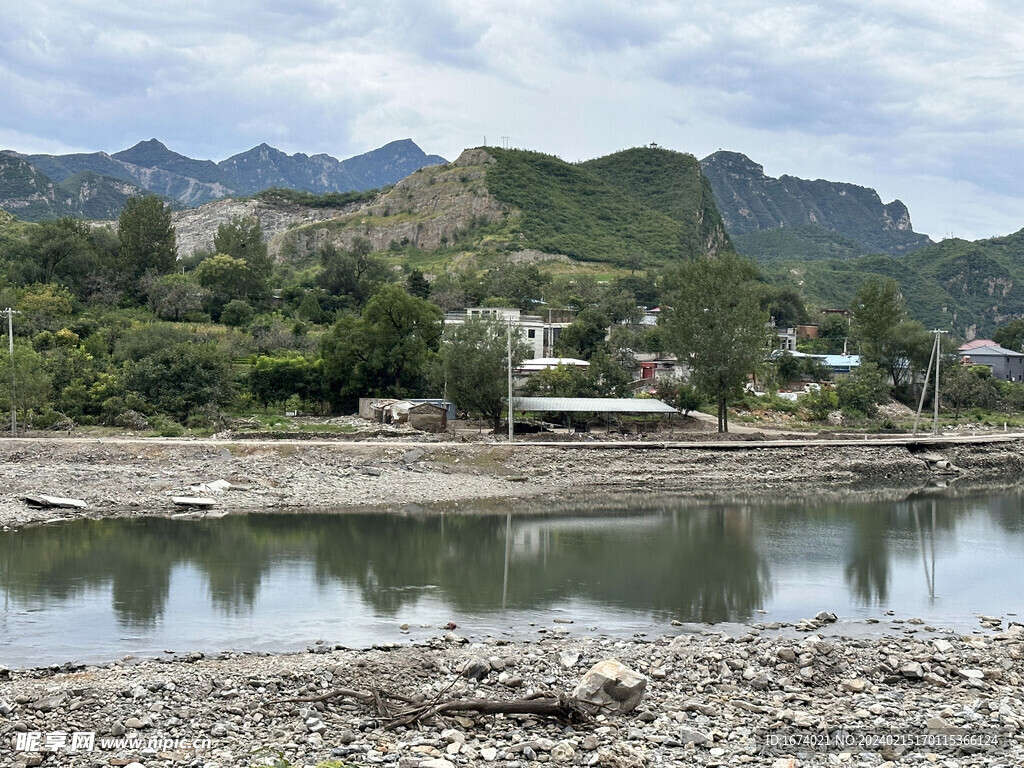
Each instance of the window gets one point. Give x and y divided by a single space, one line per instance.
531 334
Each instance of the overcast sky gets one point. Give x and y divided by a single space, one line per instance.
920 99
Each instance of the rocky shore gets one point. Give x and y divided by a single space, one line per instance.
117 477
763 697
816 694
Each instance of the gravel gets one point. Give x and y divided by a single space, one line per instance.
711 699
139 477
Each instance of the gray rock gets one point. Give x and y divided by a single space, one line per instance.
117 729
610 687
476 669
689 736
912 670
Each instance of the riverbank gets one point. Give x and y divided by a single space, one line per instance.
118 477
759 697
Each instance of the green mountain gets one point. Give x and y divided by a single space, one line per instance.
752 203
969 288
494 200
808 242
669 182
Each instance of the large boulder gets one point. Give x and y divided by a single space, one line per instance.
610 688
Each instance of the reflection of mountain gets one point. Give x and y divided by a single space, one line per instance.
692 561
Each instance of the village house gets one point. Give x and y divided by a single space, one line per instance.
1006 365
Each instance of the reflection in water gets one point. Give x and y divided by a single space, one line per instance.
653 557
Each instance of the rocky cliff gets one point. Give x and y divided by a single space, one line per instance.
752 202
426 210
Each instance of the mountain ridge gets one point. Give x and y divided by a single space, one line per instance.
154 168
752 203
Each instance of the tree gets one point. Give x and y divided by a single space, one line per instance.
237 313
62 249
716 325
182 379
1010 336
146 238
584 334
878 310
354 274
384 352
862 390
417 284
176 297
968 387
242 239
785 305
225 278
275 379
474 365
32 384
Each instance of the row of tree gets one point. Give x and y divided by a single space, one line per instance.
112 322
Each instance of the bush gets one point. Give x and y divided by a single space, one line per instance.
237 313
862 391
819 403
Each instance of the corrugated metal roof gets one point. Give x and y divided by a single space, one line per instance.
591 405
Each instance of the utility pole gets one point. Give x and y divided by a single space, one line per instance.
10 341
935 357
509 366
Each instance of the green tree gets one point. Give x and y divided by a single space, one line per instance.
237 313
886 337
275 379
182 379
62 250
606 377
354 275
146 239
242 239
716 325
560 381
583 335
32 385
1011 335
968 387
680 394
417 284
176 297
385 351
225 278
862 390
474 365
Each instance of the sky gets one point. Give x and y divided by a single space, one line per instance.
921 100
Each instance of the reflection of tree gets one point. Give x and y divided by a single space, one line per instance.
692 560
867 565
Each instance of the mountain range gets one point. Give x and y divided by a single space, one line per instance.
789 216
95 184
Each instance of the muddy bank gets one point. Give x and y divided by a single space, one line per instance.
119 477
919 695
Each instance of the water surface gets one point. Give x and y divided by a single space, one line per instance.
96 590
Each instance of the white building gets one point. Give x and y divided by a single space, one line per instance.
538 334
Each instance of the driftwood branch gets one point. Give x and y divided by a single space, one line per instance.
561 709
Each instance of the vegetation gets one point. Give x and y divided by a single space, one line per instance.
474 366
671 183
278 196
569 209
717 326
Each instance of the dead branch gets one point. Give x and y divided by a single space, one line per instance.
564 710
